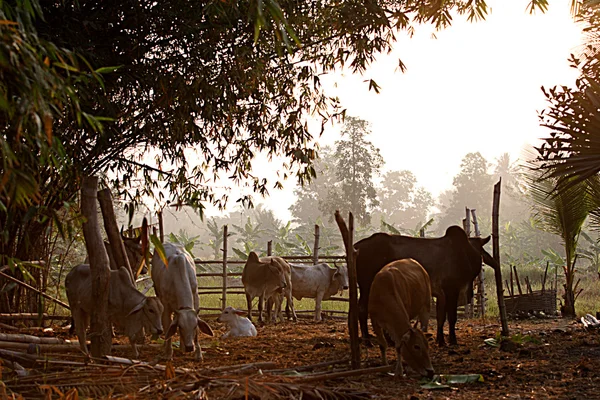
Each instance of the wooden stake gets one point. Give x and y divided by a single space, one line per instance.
545 274
270 248
517 279
496 253
351 253
112 231
161 229
224 250
316 247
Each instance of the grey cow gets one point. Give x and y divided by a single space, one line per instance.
318 282
127 307
177 287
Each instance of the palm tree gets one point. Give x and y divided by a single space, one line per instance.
562 213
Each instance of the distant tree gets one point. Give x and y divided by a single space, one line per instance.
402 203
312 197
514 205
358 162
472 188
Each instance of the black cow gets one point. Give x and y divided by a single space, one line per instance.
452 262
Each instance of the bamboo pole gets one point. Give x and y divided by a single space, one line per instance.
161 229
496 253
517 279
18 282
224 249
345 374
545 275
316 247
467 227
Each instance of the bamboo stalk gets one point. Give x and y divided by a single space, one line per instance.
316 247
345 374
224 275
18 282
496 254
517 279
22 338
545 275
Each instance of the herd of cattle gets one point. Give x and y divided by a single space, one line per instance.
397 276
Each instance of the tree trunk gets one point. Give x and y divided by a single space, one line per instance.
100 332
568 309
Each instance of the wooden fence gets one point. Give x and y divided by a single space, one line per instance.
225 290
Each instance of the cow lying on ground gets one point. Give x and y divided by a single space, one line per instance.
236 322
127 307
177 287
400 292
263 277
452 262
318 282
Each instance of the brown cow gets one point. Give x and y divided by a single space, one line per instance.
400 292
452 262
262 278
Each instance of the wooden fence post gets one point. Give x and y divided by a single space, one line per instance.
270 248
224 295
496 253
481 291
316 248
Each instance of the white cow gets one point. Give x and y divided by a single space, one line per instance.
237 323
177 288
127 306
318 282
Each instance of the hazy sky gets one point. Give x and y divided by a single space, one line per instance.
476 87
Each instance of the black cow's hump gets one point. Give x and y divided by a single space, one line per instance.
455 232
376 237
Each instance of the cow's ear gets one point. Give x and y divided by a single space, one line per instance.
485 240
205 328
252 257
241 313
172 330
405 337
138 307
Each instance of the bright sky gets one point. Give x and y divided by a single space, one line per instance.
474 88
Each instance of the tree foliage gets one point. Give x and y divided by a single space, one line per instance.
358 163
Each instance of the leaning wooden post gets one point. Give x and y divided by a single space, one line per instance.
351 253
112 231
224 249
270 248
100 332
161 229
316 248
496 253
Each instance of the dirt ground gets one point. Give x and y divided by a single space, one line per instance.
549 359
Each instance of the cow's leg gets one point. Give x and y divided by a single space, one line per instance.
451 306
363 314
440 311
133 339
198 349
318 306
381 340
290 302
424 320
399 373
261 299
249 303
166 321
82 321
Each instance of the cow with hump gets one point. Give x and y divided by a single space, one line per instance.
400 292
177 287
127 307
452 262
264 278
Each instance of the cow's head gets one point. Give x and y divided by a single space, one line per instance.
487 258
415 350
153 311
340 276
278 272
230 315
187 321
